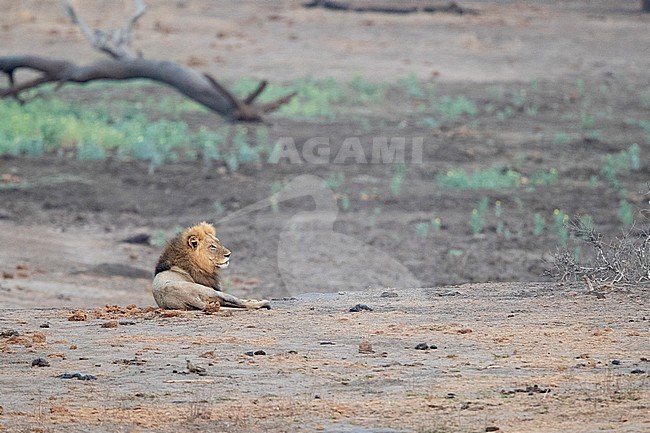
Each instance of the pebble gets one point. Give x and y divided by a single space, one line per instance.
365 347
637 371
77 376
360 307
492 428
422 346
9 333
389 295
40 362
110 324
616 362
44 325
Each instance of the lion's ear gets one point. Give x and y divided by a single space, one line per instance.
193 242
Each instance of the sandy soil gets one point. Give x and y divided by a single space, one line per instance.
540 358
63 224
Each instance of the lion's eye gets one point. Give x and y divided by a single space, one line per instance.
213 248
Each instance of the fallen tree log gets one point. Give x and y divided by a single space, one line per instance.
390 6
124 65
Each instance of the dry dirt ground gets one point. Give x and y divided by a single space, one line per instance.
62 223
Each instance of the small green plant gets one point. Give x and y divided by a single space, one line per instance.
538 224
491 178
344 201
276 187
625 213
422 229
436 223
477 219
218 207
334 180
560 220
585 224
399 174
453 108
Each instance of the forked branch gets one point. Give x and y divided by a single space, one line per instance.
124 65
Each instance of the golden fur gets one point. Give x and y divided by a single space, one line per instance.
187 273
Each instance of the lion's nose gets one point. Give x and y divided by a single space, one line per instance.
226 255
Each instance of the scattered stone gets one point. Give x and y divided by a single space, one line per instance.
464 331
530 390
389 295
492 428
134 361
2 410
195 369
451 395
637 371
78 376
292 352
40 362
208 354
139 239
422 346
249 353
38 338
7 275
9 333
170 313
616 362
110 324
73 347
44 325
126 322
326 343
360 307
259 352
365 347
78 316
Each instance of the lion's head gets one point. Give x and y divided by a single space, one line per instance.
197 251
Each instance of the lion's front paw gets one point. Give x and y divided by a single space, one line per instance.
255 304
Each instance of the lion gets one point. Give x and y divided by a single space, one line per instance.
187 273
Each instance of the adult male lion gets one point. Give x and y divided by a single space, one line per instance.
187 273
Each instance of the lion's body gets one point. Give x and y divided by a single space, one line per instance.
187 273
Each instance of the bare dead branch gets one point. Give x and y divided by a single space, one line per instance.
255 93
391 6
197 86
115 43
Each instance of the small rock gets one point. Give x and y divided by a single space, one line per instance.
9 333
78 316
389 295
110 324
38 338
451 395
44 325
326 343
365 347
464 331
616 362
77 376
195 368
360 307
208 354
126 322
40 362
492 428
292 352
259 352
422 346
637 371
